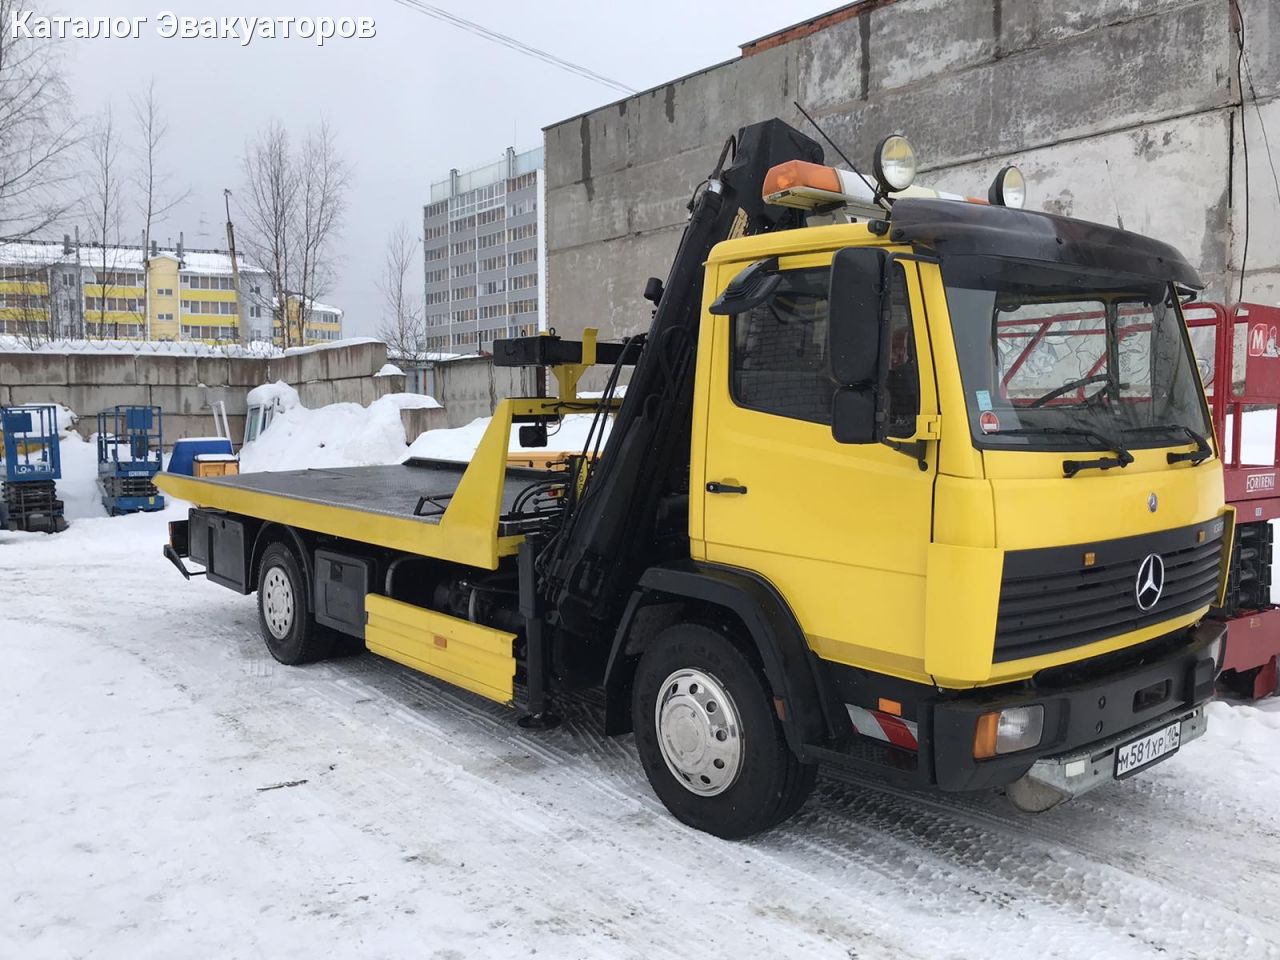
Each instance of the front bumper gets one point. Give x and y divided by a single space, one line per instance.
1054 779
1090 708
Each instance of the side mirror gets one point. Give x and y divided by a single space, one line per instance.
750 288
855 320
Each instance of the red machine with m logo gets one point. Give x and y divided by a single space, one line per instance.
1238 352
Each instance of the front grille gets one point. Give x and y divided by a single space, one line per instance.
1050 600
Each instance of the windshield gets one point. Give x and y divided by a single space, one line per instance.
1061 358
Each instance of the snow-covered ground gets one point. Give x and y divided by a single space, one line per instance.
168 790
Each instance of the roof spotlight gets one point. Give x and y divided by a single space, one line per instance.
1009 188
894 164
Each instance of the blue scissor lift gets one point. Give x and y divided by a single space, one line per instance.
130 454
32 466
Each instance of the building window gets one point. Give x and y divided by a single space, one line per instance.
522 256
255 312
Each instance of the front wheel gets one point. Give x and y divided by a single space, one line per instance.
708 738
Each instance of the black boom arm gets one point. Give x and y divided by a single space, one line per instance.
611 535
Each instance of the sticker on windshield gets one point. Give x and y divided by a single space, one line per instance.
989 422
984 399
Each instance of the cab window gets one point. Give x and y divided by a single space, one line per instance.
902 379
778 358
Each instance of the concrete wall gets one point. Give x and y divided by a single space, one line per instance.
186 387
1116 109
471 387
418 421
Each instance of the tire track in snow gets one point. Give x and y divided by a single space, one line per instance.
858 860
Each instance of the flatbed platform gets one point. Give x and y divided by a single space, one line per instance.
377 505
393 490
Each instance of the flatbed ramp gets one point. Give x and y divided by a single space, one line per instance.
418 506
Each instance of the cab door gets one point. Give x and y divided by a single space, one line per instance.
841 530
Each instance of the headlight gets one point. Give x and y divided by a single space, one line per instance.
895 164
1009 188
1008 731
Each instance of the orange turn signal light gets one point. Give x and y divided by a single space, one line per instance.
984 736
891 707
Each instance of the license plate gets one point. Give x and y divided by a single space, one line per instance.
1136 754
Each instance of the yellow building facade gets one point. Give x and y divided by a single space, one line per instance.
51 290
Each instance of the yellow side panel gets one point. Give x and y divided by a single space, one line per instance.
961 596
465 654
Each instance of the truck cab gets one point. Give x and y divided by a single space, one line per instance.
970 459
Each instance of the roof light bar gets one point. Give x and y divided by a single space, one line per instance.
812 186
816 187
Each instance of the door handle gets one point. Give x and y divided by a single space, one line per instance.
715 486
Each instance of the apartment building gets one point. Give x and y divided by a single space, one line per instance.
55 289
482 248
319 323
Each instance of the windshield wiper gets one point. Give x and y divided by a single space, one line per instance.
1071 467
1197 456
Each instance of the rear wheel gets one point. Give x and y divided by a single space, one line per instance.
291 633
708 738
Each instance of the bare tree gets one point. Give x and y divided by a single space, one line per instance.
402 323
155 196
324 177
292 204
271 188
37 133
104 208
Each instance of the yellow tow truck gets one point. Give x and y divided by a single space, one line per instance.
928 491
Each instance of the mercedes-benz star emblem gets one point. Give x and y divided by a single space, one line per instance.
1153 502
1150 582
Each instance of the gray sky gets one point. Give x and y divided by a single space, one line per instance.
408 105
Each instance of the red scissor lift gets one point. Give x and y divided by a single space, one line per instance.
1240 365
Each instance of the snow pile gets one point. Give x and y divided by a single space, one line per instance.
459 443
279 395
78 487
339 435
182 348
411 401
312 348
258 349
389 370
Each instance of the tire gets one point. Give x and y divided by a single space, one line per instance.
710 742
290 632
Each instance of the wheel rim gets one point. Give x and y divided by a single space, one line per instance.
277 602
699 732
